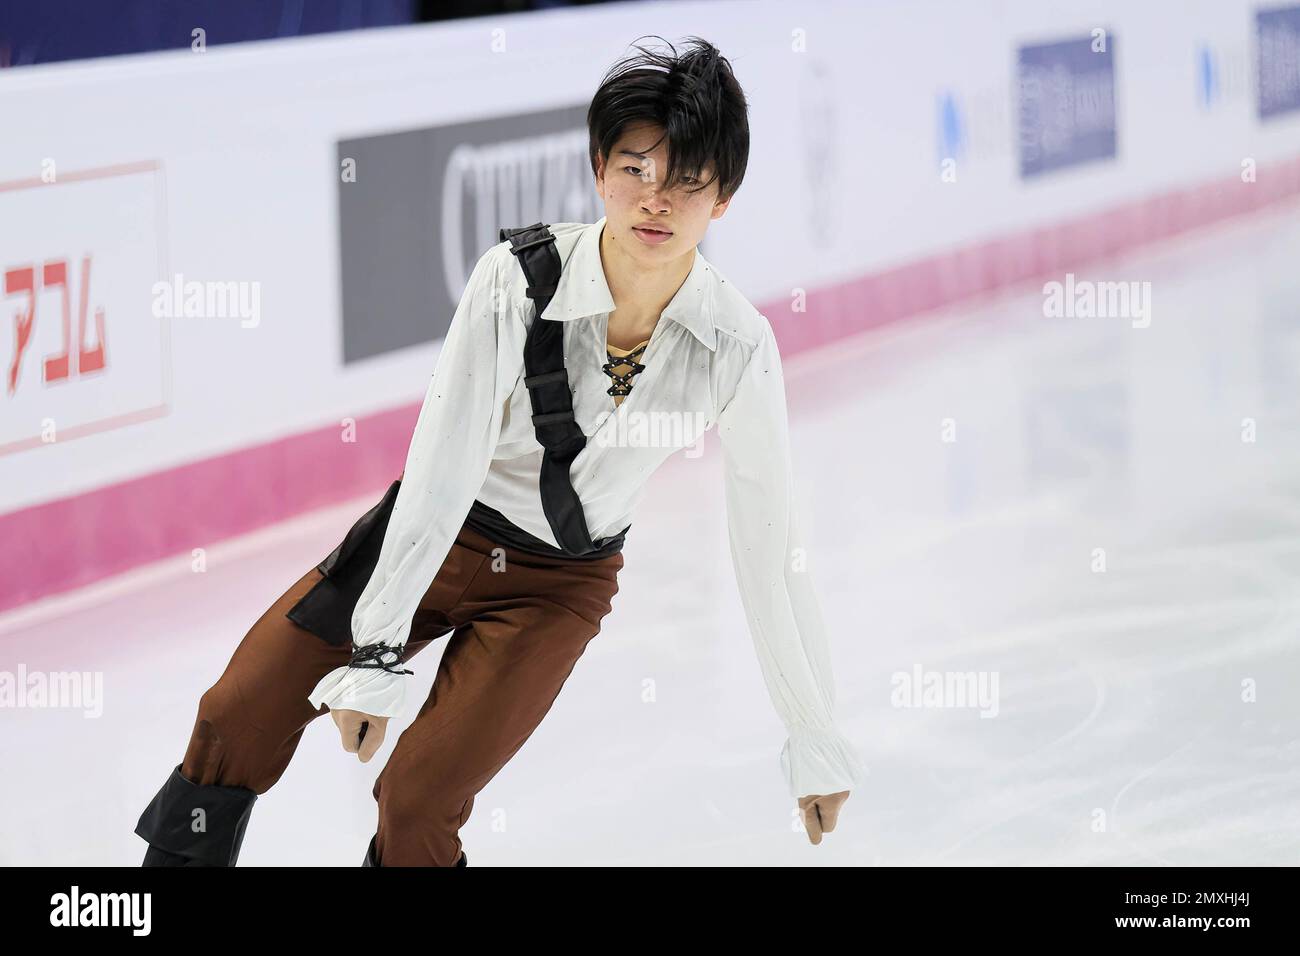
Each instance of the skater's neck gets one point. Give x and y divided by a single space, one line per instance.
641 290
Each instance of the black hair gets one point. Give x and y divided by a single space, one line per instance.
693 95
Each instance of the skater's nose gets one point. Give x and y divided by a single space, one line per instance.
655 204
654 200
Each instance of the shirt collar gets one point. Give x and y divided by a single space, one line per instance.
583 289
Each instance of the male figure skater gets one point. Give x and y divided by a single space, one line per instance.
505 529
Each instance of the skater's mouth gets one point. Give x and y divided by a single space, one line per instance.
651 232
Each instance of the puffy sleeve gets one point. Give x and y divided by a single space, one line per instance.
450 451
775 586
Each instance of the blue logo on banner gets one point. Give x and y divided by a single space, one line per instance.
1277 35
1207 76
1067 103
952 131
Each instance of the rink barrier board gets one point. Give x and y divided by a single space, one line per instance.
71 542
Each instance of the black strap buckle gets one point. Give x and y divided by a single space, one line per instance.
505 233
527 244
553 418
546 378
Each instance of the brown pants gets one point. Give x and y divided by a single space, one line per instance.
518 624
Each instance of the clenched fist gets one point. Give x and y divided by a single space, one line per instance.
362 734
820 813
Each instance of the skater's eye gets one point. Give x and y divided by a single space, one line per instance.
637 171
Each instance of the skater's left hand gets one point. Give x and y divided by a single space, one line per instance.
820 812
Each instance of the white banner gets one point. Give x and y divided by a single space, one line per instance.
223 168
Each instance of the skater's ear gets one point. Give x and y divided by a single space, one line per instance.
720 207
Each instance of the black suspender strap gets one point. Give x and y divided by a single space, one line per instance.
326 609
547 381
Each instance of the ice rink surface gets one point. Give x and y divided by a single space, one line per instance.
1100 533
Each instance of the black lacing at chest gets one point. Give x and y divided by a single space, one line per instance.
622 381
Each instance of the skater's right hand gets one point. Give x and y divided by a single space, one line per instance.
362 734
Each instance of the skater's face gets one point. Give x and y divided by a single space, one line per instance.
629 181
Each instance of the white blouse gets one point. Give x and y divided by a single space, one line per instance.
712 359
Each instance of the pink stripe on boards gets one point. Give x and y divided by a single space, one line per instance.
73 541
65 544
993 264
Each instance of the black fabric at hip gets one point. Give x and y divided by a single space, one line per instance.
493 524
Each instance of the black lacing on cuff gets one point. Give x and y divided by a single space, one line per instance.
372 655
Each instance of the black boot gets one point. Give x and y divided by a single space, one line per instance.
177 836
371 861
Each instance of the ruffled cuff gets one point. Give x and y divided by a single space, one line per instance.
820 761
371 690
